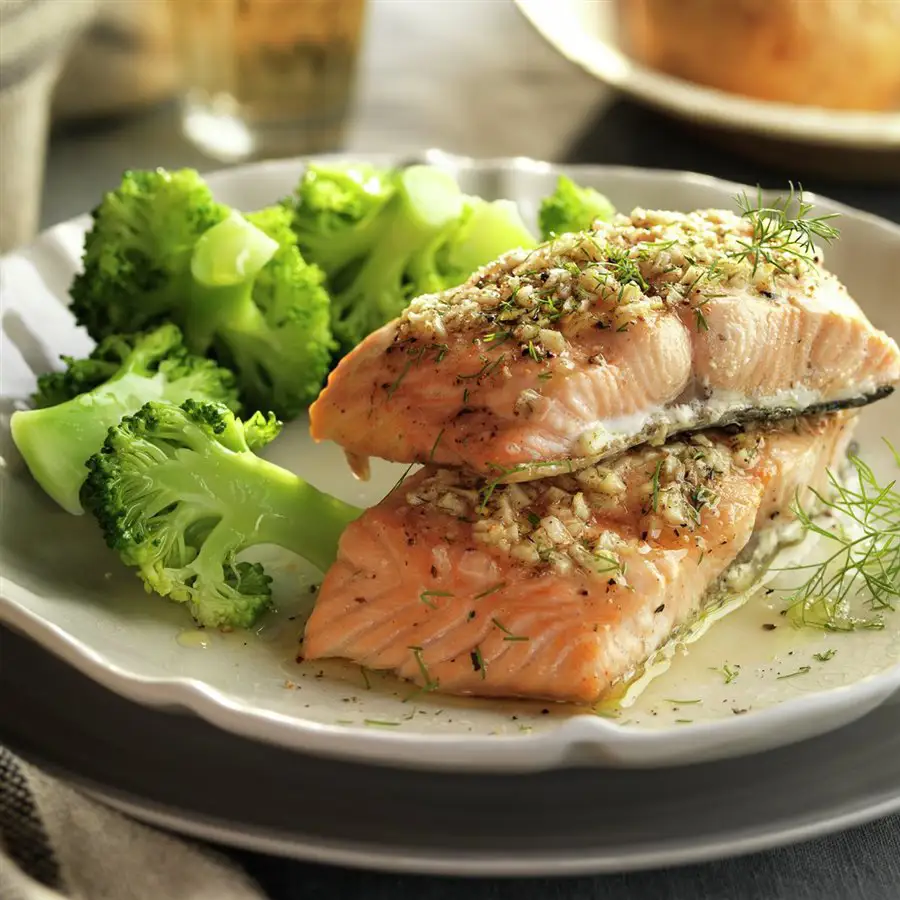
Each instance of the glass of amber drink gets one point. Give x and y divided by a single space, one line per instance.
265 78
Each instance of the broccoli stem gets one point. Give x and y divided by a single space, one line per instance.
57 440
301 518
493 229
213 310
225 263
427 201
255 502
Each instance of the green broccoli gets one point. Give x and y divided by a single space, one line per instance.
337 212
162 250
179 494
137 255
118 378
261 310
572 208
83 375
386 236
485 231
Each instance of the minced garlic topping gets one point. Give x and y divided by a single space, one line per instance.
610 277
560 522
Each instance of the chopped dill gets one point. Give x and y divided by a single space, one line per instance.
826 655
380 723
434 446
401 479
683 721
441 350
476 375
365 678
700 318
803 670
491 590
646 249
494 365
624 268
509 635
413 355
426 596
682 702
429 683
729 673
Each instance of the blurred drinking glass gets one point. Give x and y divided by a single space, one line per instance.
266 77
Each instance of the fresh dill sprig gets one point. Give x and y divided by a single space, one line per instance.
491 590
783 228
864 564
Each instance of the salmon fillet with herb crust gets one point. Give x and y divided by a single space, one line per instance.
652 324
559 588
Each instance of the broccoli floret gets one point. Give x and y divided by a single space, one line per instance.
485 231
386 236
572 208
369 257
179 494
83 375
161 249
337 211
261 309
137 255
55 441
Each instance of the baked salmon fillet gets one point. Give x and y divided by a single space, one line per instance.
559 588
653 324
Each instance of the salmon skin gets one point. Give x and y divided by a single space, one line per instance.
559 588
654 324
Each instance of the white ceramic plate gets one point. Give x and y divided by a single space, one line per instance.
61 586
584 31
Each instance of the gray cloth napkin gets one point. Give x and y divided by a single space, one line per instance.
56 843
